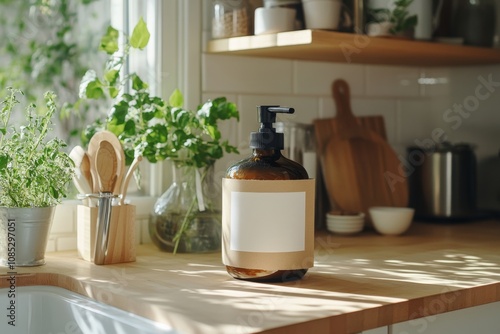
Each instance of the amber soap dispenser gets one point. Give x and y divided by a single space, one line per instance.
268 210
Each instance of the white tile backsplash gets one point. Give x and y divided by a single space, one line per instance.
472 114
392 81
246 74
66 242
316 78
415 121
51 244
64 218
435 82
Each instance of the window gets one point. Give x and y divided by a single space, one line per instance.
171 60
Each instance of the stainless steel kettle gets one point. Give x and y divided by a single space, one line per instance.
443 181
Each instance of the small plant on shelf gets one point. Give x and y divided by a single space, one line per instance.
396 21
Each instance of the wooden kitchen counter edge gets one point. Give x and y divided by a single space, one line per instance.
358 282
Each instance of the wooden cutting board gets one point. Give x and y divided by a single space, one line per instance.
324 128
360 169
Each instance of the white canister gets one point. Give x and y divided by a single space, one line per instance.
273 20
293 4
425 24
322 14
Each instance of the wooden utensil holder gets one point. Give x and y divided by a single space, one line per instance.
121 244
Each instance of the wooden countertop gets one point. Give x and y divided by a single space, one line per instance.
358 282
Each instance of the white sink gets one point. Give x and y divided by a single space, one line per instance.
52 310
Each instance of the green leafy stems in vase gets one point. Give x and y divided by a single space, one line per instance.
150 126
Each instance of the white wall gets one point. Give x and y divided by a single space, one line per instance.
414 101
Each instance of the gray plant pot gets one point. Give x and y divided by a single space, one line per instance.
23 235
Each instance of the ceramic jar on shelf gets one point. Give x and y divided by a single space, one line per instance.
230 18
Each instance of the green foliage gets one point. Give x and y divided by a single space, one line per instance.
401 18
41 46
140 35
398 16
109 42
149 125
34 172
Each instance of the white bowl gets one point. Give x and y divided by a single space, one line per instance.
391 220
345 224
341 230
338 215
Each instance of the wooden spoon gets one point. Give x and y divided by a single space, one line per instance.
85 169
106 165
115 142
77 154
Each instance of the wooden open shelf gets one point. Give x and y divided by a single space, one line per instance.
321 45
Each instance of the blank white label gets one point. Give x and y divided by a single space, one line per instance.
268 222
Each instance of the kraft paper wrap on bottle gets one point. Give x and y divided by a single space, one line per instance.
268 224
121 245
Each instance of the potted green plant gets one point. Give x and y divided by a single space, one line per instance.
34 174
159 129
395 21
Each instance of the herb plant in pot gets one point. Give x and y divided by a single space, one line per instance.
186 218
34 174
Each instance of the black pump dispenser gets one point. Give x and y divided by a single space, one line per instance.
267 138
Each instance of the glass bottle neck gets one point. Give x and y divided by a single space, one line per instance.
266 153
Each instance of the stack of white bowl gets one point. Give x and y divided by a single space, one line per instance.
342 223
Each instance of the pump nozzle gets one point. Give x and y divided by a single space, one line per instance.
267 138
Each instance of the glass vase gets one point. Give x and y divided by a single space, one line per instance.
187 217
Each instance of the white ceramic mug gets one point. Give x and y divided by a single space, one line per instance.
322 14
273 20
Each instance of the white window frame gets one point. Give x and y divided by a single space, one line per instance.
172 59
